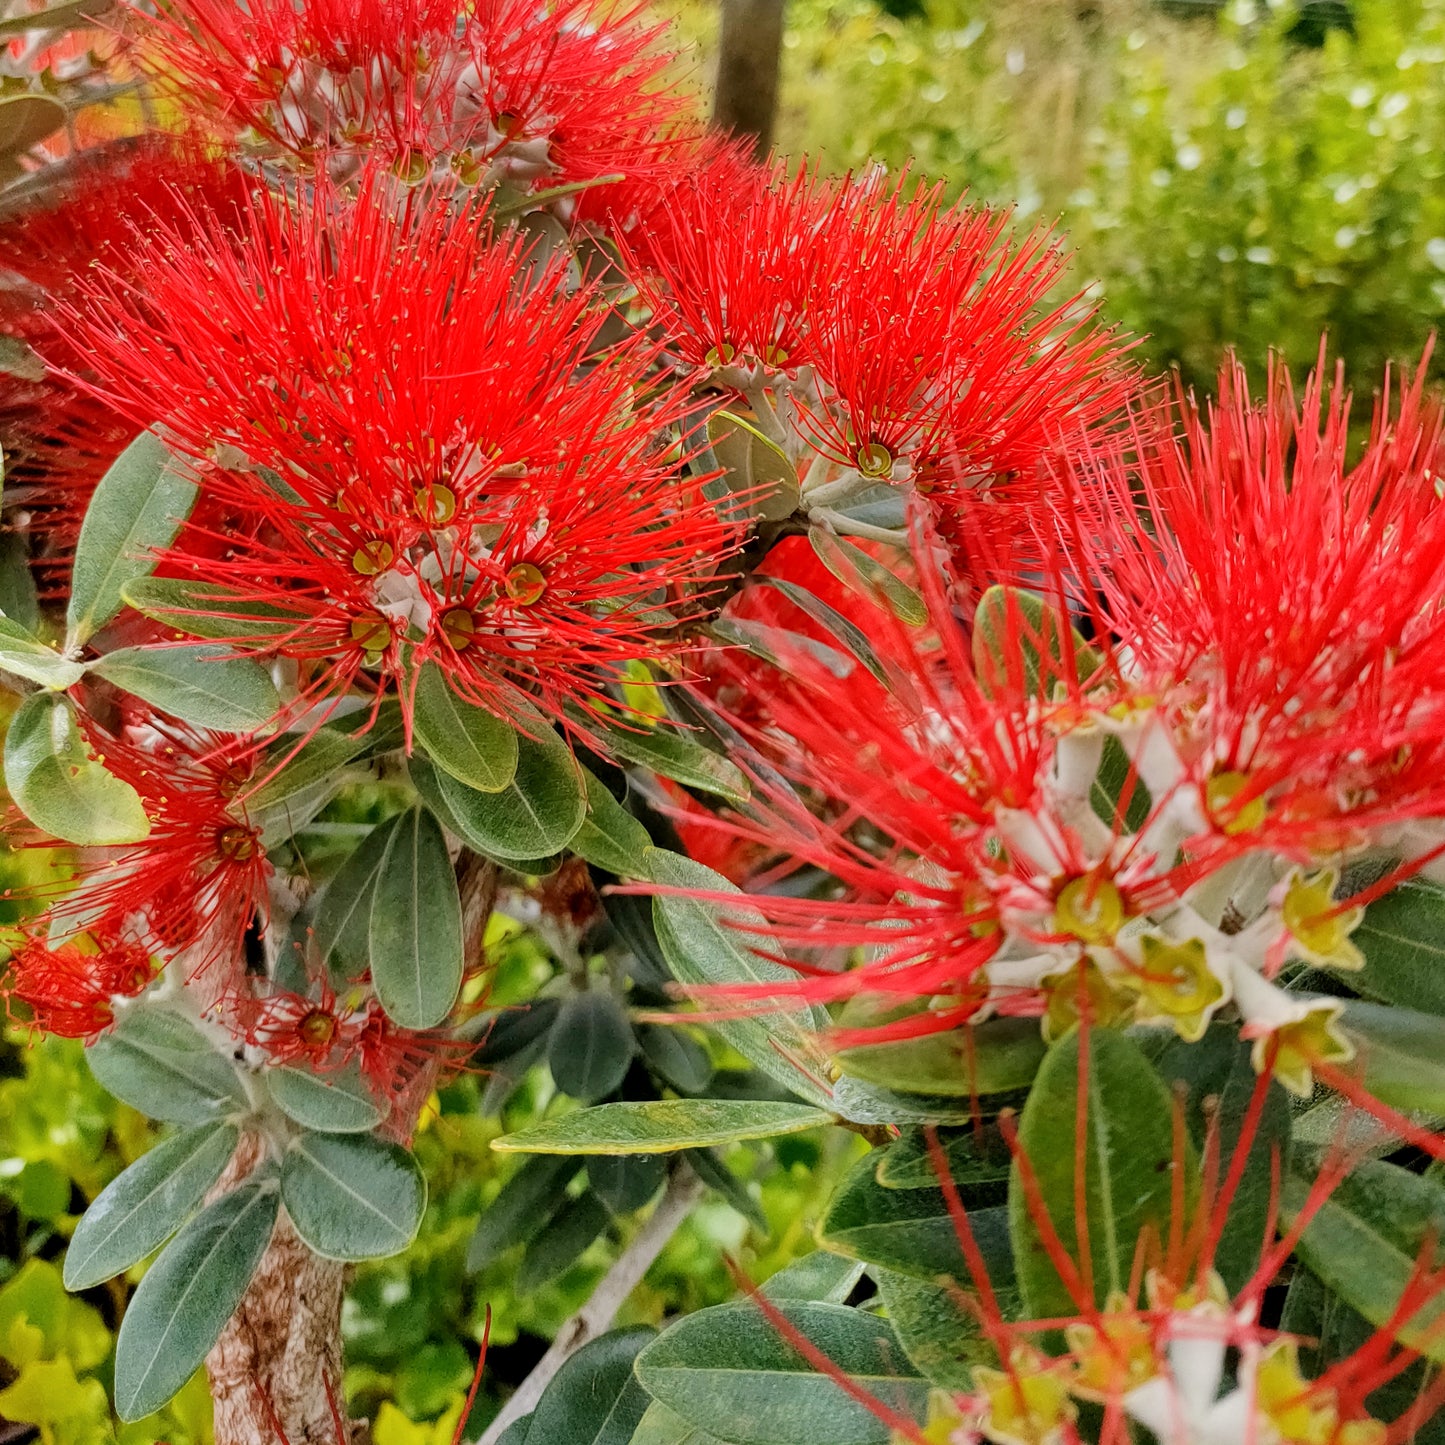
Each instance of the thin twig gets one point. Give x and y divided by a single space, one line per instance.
593 1319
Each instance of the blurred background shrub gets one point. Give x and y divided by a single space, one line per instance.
1239 174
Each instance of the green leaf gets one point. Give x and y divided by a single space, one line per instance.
1365 1239
712 1169
1115 773
624 1182
322 757
137 508
660 1126
158 1062
591 1046
1402 936
848 633
661 1426
938 1332
730 1370
180 1307
1021 643
754 464
336 1103
1220 1078
674 1054
908 1230
469 743
511 1030
352 1196
1403 1054
59 787
987 1058
343 917
527 1201
821 1275
18 599
1128 1156
415 934
610 837
594 1398
202 609
676 755
26 656
196 684
140 1208
535 815
854 568
974 1160
562 1241
710 943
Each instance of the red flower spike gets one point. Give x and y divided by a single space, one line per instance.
438 458
70 990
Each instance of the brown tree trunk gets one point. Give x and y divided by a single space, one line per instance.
749 62
276 1369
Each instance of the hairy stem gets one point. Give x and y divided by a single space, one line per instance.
276 1369
593 1319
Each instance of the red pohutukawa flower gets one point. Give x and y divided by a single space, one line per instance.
442 461
1284 600
198 881
893 334
505 90
70 990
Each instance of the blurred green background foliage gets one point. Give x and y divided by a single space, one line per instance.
1229 174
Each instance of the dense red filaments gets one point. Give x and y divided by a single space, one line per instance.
70 990
437 456
506 89
199 880
1284 595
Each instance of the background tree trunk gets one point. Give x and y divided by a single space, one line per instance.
750 55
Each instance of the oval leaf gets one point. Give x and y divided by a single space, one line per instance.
595 1399
702 948
469 743
988 1058
611 837
338 1103
676 755
203 609
26 656
324 754
564 1240
1365 1240
140 1208
528 1200
660 1126
59 786
1402 936
159 1063
854 568
591 1046
343 917
415 933
352 1196
138 507
535 815
729 1369
1128 1156
196 684
180 1307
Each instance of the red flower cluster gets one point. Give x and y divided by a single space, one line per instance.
432 460
503 90
69 990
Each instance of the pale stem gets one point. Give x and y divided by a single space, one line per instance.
768 423
594 1318
848 485
847 527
